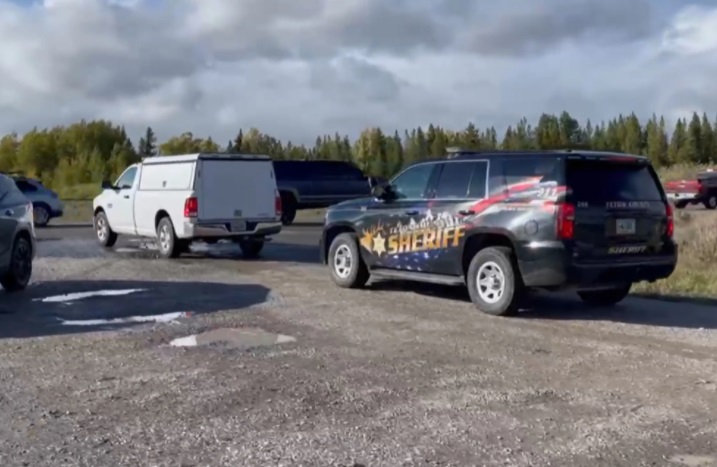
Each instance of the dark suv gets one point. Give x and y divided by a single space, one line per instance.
504 222
318 184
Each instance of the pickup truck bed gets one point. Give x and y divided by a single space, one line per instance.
700 190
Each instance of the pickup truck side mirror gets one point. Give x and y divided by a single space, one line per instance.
107 185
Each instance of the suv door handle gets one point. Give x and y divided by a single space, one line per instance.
412 213
466 212
126 196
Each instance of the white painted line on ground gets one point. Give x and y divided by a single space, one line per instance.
163 318
71 297
189 341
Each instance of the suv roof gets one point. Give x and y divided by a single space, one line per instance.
471 154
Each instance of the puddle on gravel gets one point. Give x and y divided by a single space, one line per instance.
238 338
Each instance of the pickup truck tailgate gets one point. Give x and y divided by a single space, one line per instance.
236 189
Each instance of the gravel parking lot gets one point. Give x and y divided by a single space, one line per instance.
304 373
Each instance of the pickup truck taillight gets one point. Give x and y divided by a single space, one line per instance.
277 203
191 206
670 228
566 221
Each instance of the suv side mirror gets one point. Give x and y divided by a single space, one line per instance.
107 185
382 191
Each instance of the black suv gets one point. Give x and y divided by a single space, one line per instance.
318 184
505 222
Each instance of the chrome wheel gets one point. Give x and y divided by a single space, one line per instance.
343 261
490 282
40 215
101 228
164 237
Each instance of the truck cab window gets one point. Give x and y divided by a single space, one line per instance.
126 180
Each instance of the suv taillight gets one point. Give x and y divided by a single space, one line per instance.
670 228
566 221
277 203
191 206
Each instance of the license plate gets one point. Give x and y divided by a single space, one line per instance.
238 226
625 226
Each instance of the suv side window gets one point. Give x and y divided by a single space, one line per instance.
412 183
338 171
479 181
534 169
126 180
454 180
25 187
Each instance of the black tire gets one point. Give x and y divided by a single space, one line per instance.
288 209
20 272
681 204
251 247
168 244
356 272
605 297
498 260
105 235
711 201
41 215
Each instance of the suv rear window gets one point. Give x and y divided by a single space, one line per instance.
612 181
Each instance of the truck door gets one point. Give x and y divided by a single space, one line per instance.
120 209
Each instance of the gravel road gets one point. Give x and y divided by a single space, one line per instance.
304 373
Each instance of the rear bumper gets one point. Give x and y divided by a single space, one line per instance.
552 266
690 197
223 229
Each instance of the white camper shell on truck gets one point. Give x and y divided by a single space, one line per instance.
183 198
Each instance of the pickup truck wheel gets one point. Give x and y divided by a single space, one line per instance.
105 235
169 246
348 270
494 284
251 247
681 204
288 209
711 202
41 215
18 275
606 297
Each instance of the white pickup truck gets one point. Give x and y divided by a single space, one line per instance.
183 198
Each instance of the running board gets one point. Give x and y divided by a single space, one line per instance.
417 276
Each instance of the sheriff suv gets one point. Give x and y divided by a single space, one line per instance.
502 223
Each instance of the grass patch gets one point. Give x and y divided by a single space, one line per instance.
696 272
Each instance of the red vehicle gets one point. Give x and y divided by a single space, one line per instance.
700 190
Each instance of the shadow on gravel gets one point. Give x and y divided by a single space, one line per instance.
67 307
663 311
273 251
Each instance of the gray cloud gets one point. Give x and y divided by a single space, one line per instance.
533 27
301 67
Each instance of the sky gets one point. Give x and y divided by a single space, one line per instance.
299 68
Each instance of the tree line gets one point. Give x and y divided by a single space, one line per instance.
90 151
